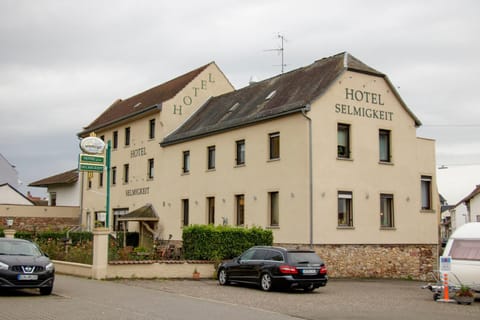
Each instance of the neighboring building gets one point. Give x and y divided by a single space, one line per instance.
10 195
468 209
326 155
64 189
8 173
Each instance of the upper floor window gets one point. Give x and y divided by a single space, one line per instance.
186 162
345 209
386 211
150 170
211 158
115 139
384 143
426 186
151 130
274 139
127 136
100 179
240 152
343 141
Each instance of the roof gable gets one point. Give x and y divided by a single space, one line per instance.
19 198
143 102
67 177
472 195
275 97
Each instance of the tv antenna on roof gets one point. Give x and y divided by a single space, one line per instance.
281 49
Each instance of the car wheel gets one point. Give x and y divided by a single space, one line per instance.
223 277
45 291
310 288
266 282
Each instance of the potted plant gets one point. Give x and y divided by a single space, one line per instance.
196 274
464 295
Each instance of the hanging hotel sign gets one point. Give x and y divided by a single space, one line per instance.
92 160
92 145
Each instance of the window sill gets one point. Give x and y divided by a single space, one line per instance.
385 163
273 227
150 178
388 228
185 173
344 159
211 170
427 211
345 228
273 160
239 165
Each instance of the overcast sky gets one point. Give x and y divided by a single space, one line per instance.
62 63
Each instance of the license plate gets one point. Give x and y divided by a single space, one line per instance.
27 277
309 271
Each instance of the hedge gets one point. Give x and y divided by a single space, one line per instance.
207 242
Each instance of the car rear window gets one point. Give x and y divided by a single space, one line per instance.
303 257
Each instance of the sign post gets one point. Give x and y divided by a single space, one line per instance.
92 160
107 167
445 268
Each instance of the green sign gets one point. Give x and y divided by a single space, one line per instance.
90 167
92 159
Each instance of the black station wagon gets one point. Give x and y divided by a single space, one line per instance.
275 267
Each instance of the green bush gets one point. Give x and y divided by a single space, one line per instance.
201 242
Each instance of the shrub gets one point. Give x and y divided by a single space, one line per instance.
207 242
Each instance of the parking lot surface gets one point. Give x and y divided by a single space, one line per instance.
77 298
340 299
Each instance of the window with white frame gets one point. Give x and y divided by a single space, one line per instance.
343 141
426 190
386 211
345 209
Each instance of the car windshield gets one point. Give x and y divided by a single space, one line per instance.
303 258
19 248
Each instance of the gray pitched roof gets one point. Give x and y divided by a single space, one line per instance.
275 97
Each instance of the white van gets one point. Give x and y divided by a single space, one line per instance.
464 248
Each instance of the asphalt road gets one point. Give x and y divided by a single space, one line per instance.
76 298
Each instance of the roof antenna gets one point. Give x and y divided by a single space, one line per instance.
280 50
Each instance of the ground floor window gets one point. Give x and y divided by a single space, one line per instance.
274 208
345 209
386 210
211 210
117 213
240 209
185 212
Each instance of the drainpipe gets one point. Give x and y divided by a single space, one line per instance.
310 170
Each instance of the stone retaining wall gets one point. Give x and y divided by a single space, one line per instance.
397 261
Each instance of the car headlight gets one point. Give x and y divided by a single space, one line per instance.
49 267
3 266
